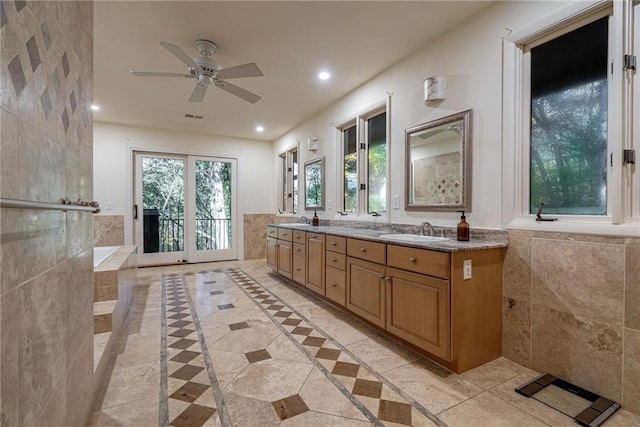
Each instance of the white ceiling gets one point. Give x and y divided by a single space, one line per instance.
291 41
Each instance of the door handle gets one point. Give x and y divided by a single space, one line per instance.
135 211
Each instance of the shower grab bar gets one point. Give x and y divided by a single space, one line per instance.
64 205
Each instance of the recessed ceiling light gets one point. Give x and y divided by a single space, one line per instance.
259 129
95 107
324 75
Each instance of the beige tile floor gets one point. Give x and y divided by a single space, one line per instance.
281 356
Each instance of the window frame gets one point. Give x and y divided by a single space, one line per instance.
287 181
516 125
360 120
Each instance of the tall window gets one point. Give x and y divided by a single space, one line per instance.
364 163
288 164
568 123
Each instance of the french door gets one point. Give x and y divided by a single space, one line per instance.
184 208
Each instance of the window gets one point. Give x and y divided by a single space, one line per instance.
288 191
568 122
567 117
364 163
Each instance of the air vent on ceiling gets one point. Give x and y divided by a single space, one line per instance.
193 116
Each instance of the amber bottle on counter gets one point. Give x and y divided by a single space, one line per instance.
315 221
463 229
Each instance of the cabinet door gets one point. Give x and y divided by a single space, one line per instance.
418 311
366 290
272 253
284 258
299 269
315 262
335 285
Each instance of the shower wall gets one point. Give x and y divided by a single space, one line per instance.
46 138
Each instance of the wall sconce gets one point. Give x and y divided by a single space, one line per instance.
435 88
312 143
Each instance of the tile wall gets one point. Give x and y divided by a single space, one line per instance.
108 230
46 258
571 308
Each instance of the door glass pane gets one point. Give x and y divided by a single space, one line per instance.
163 204
568 171
377 163
283 166
213 205
350 162
294 160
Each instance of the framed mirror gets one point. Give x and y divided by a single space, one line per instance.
314 184
438 164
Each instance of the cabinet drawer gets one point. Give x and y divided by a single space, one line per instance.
299 269
336 289
419 260
299 236
272 232
285 234
335 260
316 236
299 250
337 244
369 251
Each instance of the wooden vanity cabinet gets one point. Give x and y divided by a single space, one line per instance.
299 257
280 251
335 272
272 253
315 262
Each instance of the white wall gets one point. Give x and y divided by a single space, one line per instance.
112 159
470 56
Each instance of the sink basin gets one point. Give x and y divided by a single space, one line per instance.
413 238
294 224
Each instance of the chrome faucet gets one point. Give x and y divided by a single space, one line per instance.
432 231
304 220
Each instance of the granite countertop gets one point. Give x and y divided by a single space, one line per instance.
450 245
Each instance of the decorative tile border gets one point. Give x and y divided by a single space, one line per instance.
378 399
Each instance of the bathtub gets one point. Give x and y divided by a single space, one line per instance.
101 253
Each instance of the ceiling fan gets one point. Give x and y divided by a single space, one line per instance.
207 71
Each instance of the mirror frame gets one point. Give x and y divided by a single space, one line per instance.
465 204
320 206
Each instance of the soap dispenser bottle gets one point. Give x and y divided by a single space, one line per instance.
314 220
463 229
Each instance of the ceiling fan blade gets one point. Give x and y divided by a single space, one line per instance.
155 74
180 54
239 92
244 70
198 93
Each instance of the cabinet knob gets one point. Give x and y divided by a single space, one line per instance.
335 285
333 243
334 260
297 269
381 276
412 259
363 250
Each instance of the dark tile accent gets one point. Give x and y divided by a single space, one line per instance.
395 412
328 353
302 331
346 369
225 306
187 372
65 119
189 392
290 406
34 54
263 296
185 356
313 341
178 316
65 65
180 324
275 307
20 4
258 355
209 282
283 314
17 75
269 301
3 15
367 388
72 101
46 35
177 309
56 82
216 292
45 101
181 333
239 325
193 416
183 343
291 322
